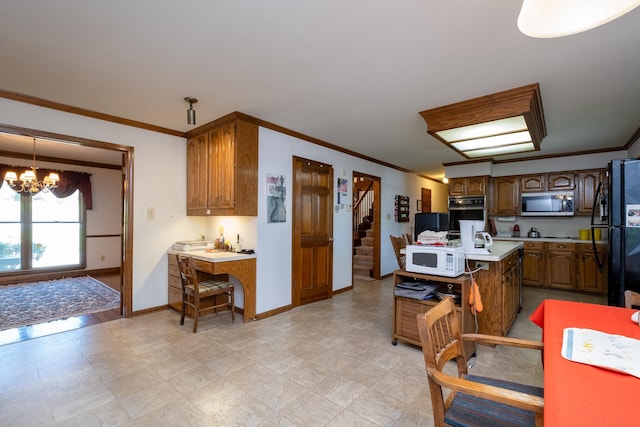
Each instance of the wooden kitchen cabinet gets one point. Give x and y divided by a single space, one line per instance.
505 196
587 185
405 310
560 261
561 181
500 291
547 182
533 183
533 268
568 266
511 291
590 278
468 186
222 170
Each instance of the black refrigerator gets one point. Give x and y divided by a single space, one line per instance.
623 209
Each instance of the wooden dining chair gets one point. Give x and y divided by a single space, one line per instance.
631 299
474 400
202 296
399 243
408 238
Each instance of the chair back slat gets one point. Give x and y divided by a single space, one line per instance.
399 243
631 299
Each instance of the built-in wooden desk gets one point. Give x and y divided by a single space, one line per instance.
240 266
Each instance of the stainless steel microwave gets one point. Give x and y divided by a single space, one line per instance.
552 203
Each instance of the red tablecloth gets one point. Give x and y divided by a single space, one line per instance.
576 394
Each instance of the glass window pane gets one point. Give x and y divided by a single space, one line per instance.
9 229
47 207
9 204
9 247
55 245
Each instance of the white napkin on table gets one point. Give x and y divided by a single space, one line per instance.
614 352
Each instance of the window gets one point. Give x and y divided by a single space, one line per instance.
40 231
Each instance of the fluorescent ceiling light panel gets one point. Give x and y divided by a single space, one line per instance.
501 123
558 18
481 130
496 151
492 141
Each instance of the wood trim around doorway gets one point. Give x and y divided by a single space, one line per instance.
126 264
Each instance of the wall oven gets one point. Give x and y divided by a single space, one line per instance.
465 208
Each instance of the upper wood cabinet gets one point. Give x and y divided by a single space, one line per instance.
561 181
547 182
505 196
587 185
222 170
469 186
529 183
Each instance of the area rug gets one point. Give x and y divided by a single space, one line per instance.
38 302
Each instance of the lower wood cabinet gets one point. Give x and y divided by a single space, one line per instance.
511 291
561 264
591 278
533 264
567 266
500 292
405 310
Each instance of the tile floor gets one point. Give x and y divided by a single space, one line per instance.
329 363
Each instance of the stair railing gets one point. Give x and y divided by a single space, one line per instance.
362 206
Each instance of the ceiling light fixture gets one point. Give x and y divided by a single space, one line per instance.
28 180
191 113
506 122
558 18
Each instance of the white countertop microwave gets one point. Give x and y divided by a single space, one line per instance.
436 260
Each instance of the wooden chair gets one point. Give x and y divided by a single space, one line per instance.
202 296
409 238
631 299
399 243
474 400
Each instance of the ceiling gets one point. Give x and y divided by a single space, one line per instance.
352 73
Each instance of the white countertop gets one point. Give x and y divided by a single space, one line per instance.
546 239
497 252
214 256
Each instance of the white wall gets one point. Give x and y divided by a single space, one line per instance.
156 156
274 239
104 219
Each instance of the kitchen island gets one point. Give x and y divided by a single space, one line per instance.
242 267
500 284
500 291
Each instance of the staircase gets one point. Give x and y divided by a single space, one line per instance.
364 235
363 258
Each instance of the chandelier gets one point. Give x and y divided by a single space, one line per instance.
28 181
